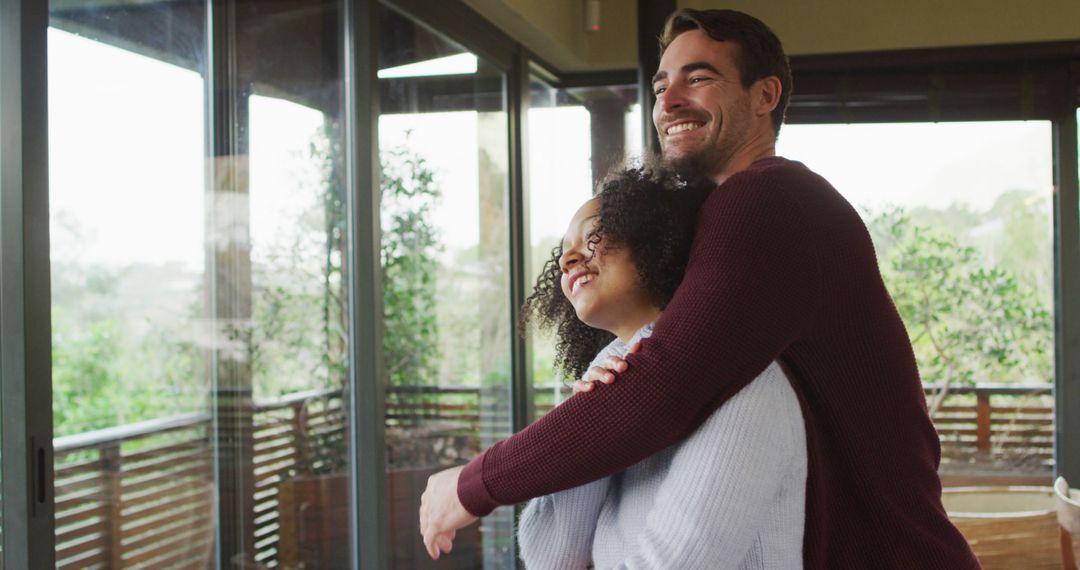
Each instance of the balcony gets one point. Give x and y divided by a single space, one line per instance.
143 494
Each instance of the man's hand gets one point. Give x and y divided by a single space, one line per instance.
441 514
605 372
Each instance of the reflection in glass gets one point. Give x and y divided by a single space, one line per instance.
445 253
198 303
962 217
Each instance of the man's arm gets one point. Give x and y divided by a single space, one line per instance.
751 289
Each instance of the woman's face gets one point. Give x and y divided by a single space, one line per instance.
602 283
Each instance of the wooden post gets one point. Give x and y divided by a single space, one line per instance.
303 446
607 119
111 464
982 420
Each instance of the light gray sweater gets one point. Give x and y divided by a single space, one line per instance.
732 495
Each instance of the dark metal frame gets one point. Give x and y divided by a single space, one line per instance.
367 396
25 294
1066 286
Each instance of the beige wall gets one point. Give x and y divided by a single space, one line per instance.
555 29
830 26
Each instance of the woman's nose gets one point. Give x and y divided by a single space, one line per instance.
568 260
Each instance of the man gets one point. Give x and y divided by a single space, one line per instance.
781 268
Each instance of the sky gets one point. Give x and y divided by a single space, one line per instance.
127 166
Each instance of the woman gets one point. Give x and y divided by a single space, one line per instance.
732 495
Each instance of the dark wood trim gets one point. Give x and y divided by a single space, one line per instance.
983 83
463 25
945 56
651 19
596 78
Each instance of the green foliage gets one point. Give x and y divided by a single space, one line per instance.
103 378
969 320
410 249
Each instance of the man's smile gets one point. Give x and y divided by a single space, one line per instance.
682 127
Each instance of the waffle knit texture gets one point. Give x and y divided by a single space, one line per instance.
729 496
781 268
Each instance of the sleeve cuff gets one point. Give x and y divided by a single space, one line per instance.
471 490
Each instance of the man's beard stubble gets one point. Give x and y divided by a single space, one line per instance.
688 167
704 163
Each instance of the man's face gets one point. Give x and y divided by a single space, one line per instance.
702 112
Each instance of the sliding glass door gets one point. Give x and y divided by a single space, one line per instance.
199 294
443 147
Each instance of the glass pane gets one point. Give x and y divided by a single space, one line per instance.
962 217
575 136
445 253
198 299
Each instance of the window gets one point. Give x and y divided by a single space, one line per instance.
574 137
446 285
961 215
198 298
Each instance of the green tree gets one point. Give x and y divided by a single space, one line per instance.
968 320
409 251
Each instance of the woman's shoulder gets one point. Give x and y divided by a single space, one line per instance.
769 400
619 348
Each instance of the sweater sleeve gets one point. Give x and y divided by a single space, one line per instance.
724 479
750 290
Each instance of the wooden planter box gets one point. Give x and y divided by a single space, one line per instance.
314 518
1007 527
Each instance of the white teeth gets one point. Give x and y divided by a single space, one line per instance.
682 127
581 281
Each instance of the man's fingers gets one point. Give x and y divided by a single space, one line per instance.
634 347
423 511
445 543
598 374
432 549
614 364
582 386
441 512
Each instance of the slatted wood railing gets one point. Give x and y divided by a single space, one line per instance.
997 434
141 495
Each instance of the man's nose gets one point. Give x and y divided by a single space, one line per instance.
673 97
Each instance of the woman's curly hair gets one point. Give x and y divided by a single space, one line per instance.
650 211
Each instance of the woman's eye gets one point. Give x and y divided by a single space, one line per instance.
659 90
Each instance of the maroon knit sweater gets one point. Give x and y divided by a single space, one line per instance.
781 268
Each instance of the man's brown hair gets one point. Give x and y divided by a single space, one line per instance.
760 54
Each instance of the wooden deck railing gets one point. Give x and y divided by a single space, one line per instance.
997 434
142 494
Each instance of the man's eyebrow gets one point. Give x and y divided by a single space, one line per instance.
689 68
699 65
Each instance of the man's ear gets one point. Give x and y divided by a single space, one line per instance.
766 95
